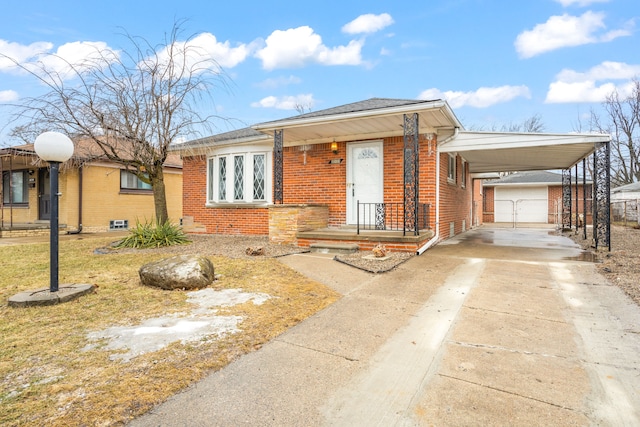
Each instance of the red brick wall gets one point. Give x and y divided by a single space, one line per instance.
310 178
555 198
223 220
455 200
488 211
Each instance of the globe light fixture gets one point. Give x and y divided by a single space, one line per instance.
55 148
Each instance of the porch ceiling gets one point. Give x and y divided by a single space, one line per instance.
434 117
505 152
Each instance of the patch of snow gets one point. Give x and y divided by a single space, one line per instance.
156 333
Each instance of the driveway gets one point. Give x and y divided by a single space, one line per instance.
493 327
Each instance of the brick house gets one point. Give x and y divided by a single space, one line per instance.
392 171
533 197
97 194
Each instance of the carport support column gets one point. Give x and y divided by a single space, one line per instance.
602 195
566 199
278 162
411 173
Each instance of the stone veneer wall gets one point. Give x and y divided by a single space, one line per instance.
285 221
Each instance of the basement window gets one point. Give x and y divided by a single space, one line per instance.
118 224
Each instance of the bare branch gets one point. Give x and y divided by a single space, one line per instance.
131 104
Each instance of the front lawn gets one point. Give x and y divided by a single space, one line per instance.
52 373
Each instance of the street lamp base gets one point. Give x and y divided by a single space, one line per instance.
44 296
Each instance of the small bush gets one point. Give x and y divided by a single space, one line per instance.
153 234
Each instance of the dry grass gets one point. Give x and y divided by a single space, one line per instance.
621 266
46 378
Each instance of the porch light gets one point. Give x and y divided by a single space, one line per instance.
334 147
54 148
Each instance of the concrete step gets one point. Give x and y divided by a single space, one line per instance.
334 248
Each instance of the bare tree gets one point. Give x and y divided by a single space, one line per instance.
622 122
532 124
130 105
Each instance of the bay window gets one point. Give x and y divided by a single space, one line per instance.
238 178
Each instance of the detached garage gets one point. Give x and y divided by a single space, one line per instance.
526 197
521 204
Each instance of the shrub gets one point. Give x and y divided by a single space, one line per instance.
153 234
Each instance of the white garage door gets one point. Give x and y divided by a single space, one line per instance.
527 204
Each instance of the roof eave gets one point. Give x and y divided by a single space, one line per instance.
338 117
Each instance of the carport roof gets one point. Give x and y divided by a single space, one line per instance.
484 151
505 152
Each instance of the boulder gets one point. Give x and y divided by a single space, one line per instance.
178 272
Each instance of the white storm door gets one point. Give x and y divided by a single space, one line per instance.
364 176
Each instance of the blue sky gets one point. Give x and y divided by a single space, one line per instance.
495 61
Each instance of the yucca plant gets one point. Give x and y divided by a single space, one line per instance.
153 234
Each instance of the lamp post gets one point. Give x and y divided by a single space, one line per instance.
54 148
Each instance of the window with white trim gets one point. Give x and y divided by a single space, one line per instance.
463 175
129 181
238 178
15 189
451 169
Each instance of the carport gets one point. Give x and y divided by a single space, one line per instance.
488 152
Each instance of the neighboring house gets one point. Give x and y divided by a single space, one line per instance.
391 171
625 202
532 197
96 194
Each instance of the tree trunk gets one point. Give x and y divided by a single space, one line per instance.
160 196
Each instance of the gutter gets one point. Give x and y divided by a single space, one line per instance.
436 237
79 229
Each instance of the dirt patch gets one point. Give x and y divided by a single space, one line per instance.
236 247
367 261
621 266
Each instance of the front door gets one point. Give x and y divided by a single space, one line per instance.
364 177
44 194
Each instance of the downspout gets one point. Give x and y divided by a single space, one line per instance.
79 229
436 236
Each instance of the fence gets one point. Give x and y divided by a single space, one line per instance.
625 211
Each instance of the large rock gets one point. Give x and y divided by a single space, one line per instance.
178 272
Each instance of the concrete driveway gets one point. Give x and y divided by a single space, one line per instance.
494 327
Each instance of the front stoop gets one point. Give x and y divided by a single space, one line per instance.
334 248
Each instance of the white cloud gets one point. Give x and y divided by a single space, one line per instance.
368 23
481 98
206 52
297 47
581 3
20 53
594 85
564 31
78 55
8 95
286 102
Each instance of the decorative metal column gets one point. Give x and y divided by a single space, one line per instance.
411 173
584 198
278 162
602 195
566 198
577 202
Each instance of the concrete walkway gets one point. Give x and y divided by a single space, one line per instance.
495 327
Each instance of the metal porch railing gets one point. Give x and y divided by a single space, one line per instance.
392 217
